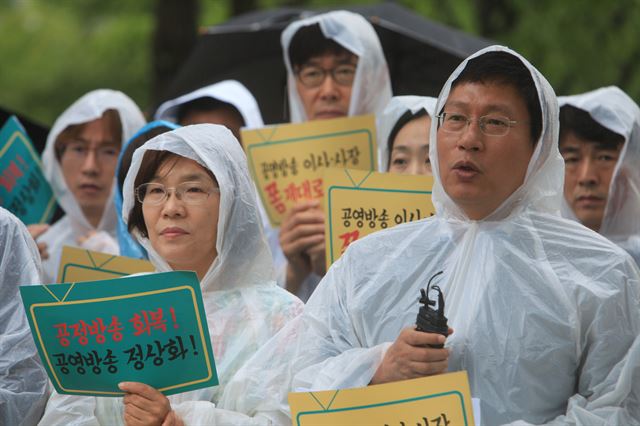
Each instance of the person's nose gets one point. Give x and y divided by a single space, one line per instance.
470 138
587 173
173 206
417 167
90 164
329 88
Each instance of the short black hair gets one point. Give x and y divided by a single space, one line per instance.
505 68
203 104
402 121
579 122
308 42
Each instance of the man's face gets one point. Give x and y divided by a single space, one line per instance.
329 98
589 167
88 163
477 170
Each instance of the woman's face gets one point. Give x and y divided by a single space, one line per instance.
183 233
410 150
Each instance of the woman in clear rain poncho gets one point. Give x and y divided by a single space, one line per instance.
23 381
403 135
93 167
320 53
243 304
545 312
616 111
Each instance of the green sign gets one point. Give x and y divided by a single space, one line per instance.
24 191
149 328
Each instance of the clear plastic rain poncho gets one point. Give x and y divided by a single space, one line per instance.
615 110
546 313
243 304
395 109
128 246
371 87
74 224
23 381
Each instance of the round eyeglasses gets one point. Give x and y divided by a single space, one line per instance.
312 76
192 193
491 125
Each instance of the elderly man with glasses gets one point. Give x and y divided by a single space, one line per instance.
336 68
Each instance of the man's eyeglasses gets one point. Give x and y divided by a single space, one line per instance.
79 150
490 125
192 193
313 76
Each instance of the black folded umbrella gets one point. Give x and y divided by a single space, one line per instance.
421 54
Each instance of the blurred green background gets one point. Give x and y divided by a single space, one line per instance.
53 52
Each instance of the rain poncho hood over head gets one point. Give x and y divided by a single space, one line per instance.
243 304
546 313
128 246
395 109
372 86
229 91
23 381
74 224
615 110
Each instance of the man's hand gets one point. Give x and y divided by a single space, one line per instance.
35 231
144 405
302 230
410 357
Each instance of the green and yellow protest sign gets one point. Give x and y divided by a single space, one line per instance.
148 328
430 401
358 203
78 264
23 189
287 160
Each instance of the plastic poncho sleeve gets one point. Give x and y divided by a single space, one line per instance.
70 410
23 381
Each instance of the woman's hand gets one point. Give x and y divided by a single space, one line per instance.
144 405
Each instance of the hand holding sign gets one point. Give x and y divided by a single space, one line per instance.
144 405
35 231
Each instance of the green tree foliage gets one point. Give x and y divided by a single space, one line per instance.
53 52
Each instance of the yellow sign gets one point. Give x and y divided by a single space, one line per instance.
359 203
78 264
441 400
287 160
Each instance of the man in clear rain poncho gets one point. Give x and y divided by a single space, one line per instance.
600 142
335 68
79 161
220 237
545 312
23 381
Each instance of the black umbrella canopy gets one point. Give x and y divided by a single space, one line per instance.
421 54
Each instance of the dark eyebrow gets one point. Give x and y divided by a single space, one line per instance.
570 149
503 109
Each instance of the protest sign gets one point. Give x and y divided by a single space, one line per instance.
440 400
148 328
78 264
358 203
23 189
287 160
